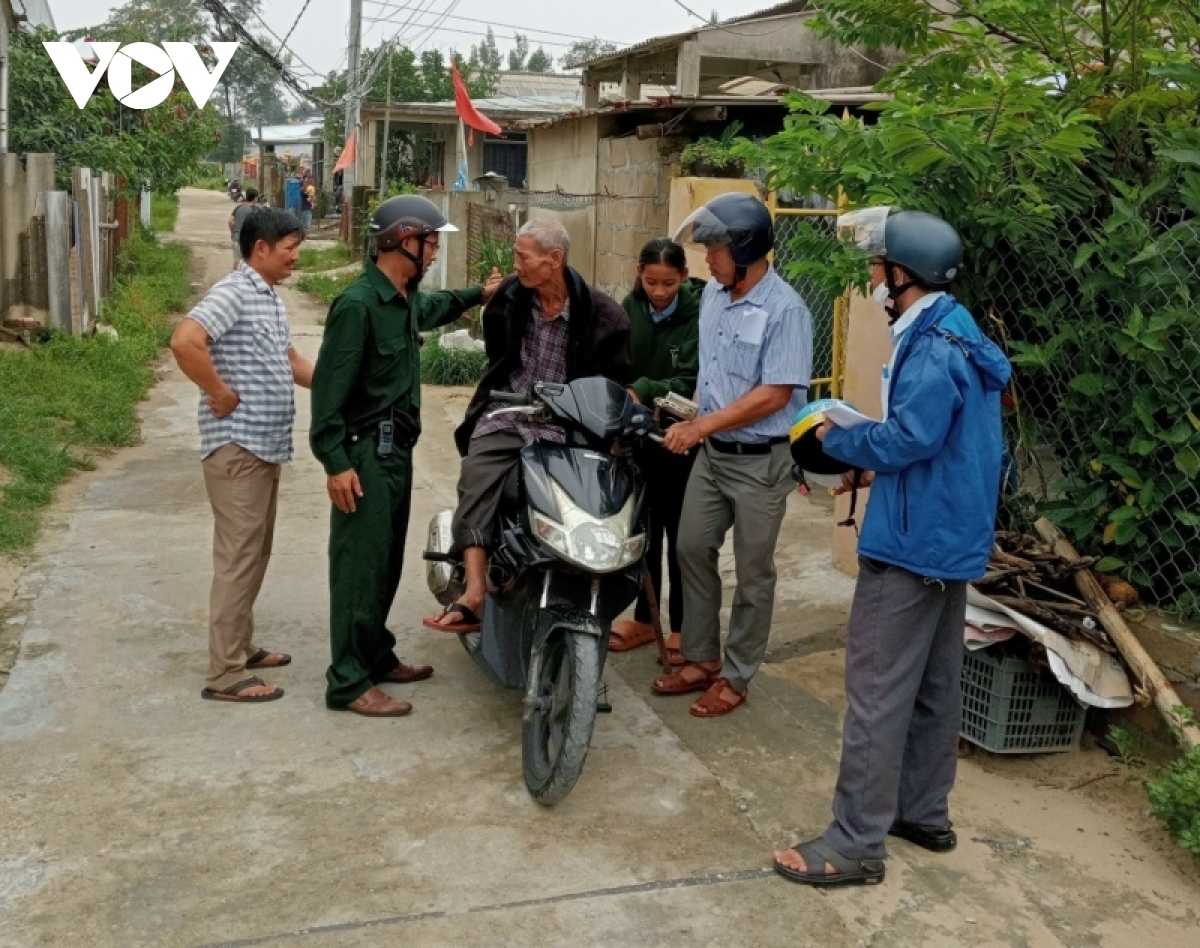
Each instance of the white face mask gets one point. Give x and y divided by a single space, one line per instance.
880 296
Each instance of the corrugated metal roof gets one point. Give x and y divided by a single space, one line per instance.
37 12
305 133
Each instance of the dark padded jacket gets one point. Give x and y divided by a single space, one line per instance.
597 341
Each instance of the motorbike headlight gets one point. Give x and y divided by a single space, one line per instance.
600 544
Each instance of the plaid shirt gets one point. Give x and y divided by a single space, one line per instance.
543 359
248 328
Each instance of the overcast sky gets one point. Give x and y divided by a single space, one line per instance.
320 37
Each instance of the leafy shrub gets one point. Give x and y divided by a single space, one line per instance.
717 157
451 366
1175 796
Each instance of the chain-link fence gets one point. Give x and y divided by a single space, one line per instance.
828 312
1103 416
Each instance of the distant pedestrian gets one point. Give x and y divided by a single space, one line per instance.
308 202
238 218
236 346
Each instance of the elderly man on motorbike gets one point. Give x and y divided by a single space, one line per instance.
545 324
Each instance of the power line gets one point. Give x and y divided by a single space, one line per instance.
295 23
224 18
690 11
452 29
508 26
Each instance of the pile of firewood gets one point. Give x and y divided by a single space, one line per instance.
1028 578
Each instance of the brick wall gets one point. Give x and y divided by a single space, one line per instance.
637 175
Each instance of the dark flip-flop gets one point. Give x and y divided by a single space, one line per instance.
257 660
470 622
234 693
816 853
936 839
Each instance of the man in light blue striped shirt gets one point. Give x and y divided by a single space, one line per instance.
755 369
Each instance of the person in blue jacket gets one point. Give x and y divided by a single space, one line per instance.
934 463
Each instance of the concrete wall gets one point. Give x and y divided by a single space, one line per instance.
868 349
564 157
638 174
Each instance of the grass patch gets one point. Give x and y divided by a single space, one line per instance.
451 366
68 399
214 183
325 259
164 209
327 288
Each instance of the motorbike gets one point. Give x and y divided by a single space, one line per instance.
235 190
568 561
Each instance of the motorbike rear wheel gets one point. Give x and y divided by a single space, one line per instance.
558 726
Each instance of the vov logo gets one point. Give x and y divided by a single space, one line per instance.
119 60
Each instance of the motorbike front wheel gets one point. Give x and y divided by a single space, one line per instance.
558 725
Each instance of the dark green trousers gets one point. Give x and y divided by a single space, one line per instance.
366 555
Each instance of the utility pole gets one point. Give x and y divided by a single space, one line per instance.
354 54
387 121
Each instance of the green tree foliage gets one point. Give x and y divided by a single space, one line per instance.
519 54
539 61
162 145
485 57
582 50
248 93
1063 141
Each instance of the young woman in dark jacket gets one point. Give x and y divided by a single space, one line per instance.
664 342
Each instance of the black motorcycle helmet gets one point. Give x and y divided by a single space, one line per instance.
408 215
923 245
739 221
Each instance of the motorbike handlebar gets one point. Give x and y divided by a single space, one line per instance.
510 398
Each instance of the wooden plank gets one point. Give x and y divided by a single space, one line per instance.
1148 674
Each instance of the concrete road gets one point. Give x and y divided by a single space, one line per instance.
132 813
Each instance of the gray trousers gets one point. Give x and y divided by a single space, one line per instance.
748 493
903 683
490 459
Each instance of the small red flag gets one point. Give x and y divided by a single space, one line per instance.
466 110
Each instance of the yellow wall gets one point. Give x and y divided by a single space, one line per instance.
868 349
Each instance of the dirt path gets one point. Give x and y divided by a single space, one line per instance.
132 813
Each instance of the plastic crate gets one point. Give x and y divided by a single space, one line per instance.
1012 707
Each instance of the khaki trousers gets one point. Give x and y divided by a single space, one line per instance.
243 490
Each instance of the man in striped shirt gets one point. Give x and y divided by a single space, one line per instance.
755 369
236 346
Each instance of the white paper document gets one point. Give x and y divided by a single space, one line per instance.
751 326
846 417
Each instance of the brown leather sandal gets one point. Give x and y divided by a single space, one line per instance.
674 655
712 705
677 684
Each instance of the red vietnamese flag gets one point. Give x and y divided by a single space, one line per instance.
466 110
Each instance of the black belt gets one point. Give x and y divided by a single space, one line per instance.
405 434
737 447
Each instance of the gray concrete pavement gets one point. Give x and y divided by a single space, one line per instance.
133 813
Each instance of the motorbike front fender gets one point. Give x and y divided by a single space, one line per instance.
561 616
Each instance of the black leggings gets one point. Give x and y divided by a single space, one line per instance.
666 482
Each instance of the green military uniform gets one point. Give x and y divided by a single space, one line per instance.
369 370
